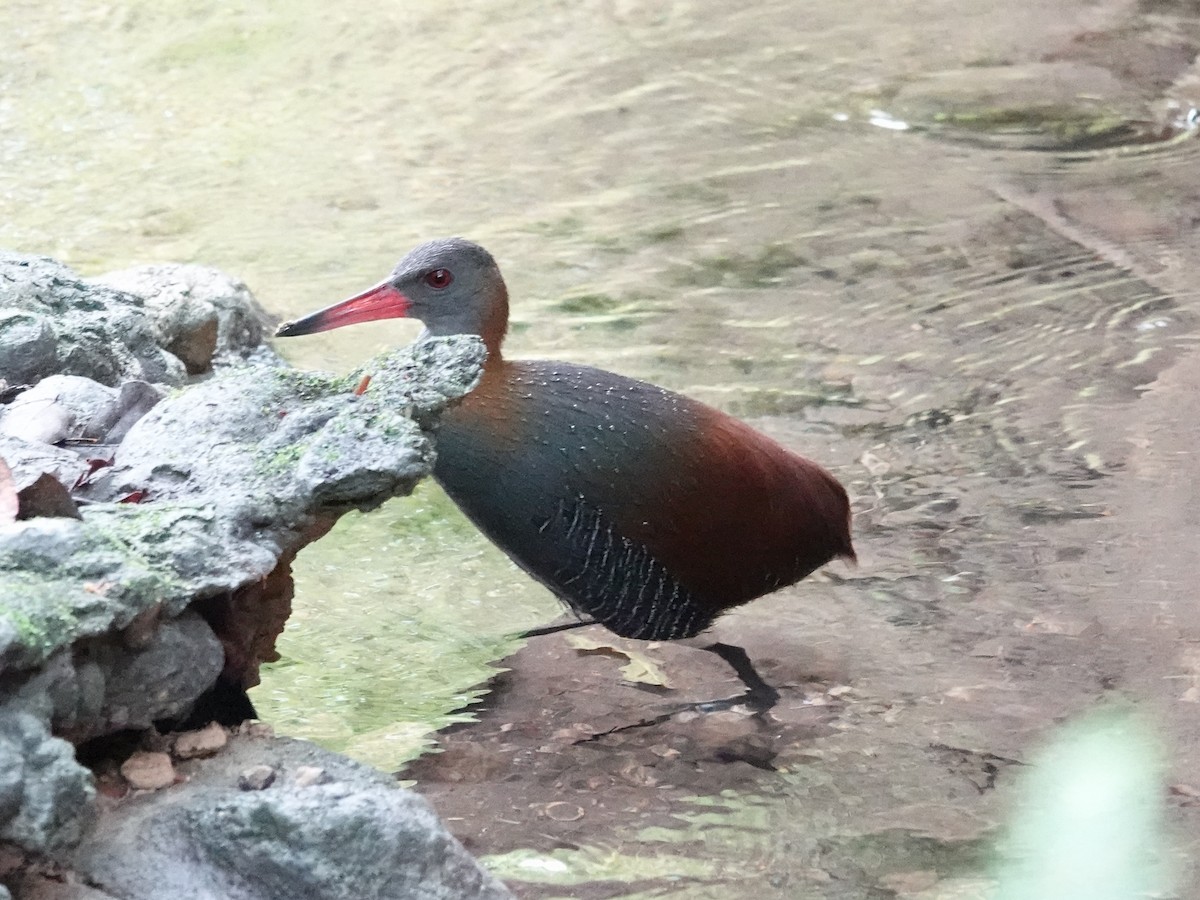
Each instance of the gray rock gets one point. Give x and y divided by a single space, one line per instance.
234 475
181 659
37 422
176 573
202 315
99 333
36 886
257 778
234 470
31 459
45 796
64 580
189 330
355 836
28 347
105 686
69 407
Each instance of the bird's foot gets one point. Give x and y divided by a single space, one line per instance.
759 695
749 699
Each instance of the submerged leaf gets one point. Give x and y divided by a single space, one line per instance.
640 669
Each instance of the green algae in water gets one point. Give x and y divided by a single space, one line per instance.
568 867
663 234
1048 128
759 269
224 45
588 304
383 636
729 826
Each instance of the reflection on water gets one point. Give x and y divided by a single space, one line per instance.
396 617
955 320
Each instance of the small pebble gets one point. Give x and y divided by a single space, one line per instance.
256 730
309 775
256 779
148 771
563 812
205 742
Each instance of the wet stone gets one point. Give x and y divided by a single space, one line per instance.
62 407
28 349
310 775
148 771
205 742
202 315
257 778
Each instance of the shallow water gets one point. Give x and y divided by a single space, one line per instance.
941 247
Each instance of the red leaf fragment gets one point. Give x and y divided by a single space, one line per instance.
362 386
133 496
95 464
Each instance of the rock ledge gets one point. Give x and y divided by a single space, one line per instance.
160 467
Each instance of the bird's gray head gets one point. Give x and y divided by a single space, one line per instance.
451 285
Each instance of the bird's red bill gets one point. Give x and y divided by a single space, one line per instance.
381 302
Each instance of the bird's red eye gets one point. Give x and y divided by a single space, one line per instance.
439 278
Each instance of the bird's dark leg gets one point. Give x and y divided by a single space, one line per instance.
759 695
554 629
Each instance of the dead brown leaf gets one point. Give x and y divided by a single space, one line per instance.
640 669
